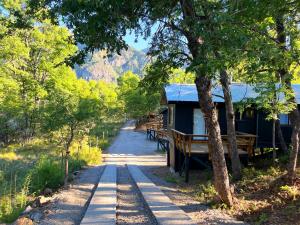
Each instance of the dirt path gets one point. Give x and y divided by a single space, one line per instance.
131 147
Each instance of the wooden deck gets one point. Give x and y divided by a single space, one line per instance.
191 146
198 144
202 148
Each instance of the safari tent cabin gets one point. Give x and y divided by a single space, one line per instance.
184 113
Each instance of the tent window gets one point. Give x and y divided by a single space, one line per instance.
284 119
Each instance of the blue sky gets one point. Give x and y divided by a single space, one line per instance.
139 45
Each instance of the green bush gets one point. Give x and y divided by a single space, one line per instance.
207 192
75 164
48 173
86 154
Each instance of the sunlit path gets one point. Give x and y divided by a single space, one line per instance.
132 148
139 200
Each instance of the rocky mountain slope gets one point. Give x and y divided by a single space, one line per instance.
99 67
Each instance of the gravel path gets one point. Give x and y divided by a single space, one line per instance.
131 207
133 148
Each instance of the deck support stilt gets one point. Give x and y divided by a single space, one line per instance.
187 168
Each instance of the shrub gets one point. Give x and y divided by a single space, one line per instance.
86 154
291 191
75 164
47 173
207 192
263 218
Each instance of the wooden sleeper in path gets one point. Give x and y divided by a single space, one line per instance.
163 209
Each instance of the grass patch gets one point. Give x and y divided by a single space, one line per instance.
26 170
103 134
206 193
172 179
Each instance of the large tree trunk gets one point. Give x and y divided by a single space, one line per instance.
203 84
221 179
294 115
231 134
295 120
274 139
282 143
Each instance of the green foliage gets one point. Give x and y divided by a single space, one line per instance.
43 103
179 76
86 154
32 59
158 75
292 191
206 192
274 99
26 171
137 102
47 173
262 219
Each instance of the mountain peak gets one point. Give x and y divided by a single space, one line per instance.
101 67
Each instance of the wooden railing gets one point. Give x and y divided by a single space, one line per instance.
184 142
152 128
156 125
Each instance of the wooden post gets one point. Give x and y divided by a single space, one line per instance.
187 168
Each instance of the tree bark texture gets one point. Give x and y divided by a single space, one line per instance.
295 120
231 133
282 143
204 85
221 179
68 145
294 115
274 139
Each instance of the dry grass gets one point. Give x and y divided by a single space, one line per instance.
264 197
